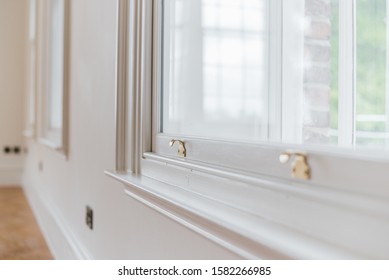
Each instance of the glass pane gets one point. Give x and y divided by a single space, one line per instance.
216 69
226 74
320 84
372 103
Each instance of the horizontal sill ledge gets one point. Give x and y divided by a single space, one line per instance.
248 236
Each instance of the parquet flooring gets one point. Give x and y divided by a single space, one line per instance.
20 236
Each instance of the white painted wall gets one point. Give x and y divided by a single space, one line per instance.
12 86
59 193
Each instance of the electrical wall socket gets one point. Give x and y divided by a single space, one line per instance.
89 217
15 150
40 166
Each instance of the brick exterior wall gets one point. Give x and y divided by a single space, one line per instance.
317 71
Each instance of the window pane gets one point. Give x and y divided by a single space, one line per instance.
215 69
321 72
226 74
372 103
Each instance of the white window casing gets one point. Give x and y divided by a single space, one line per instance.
239 194
53 74
347 66
30 120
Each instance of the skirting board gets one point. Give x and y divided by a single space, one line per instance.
59 237
10 177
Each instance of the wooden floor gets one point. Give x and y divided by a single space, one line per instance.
20 236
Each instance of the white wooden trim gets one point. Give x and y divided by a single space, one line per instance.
121 84
347 91
55 139
51 147
62 242
242 198
10 176
158 45
249 219
275 69
147 61
142 80
66 79
132 126
41 67
29 133
292 70
32 54
327 164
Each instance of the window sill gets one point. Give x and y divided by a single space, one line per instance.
29 133
59 150
267 220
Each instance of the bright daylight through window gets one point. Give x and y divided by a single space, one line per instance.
226 76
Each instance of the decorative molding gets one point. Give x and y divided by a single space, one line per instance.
29 133
10 176
347 73
251 230
11 170
62 242
121 84
312 192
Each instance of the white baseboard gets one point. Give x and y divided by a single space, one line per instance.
59 237
11 178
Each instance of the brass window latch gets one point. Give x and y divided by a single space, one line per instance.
181 147
300 166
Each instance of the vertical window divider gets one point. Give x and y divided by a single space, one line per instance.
292 71
275 69
347 68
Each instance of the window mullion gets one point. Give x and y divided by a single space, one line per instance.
275 69
292 70
347 65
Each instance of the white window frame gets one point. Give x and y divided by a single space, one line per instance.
347 66
254 208
30 119
56 139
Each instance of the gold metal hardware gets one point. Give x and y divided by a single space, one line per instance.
181 147
300 166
